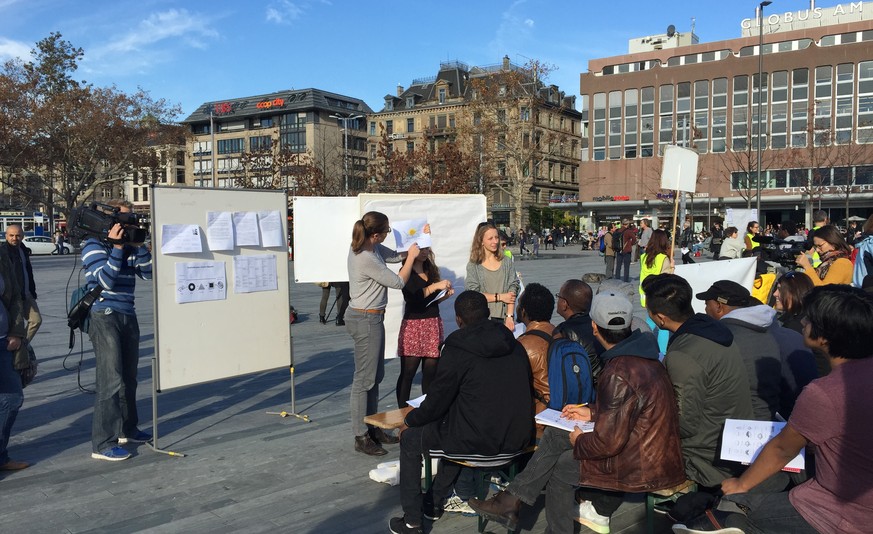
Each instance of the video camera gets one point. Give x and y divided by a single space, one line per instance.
98 219
773 251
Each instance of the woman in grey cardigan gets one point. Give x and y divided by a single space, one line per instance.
491 273
369 280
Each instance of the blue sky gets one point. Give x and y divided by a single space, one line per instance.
190 52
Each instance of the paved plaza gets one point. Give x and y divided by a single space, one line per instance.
245 470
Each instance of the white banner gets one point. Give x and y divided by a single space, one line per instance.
703 275
679 169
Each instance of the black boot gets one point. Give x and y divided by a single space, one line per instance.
502 508
382 437
340 321
322 320
366 445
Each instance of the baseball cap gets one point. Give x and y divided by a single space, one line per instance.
607 306
727 292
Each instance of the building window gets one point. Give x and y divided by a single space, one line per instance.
765 100
477 119
441 122
599 126
442 95
779 110
845 101
200 129
180 176
501 116
719 114
700 132
524 114
372 127
231 146
410 125
260 142
647 121
389 127
823 105
799 107
665 108
410 147
203 167
410 102
202 148
740 119
136 194
389 104
293 141
865 102
451 121
614 125
145 194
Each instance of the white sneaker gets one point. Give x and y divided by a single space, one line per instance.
456 505
589 517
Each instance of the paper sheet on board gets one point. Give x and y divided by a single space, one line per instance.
550 417
219 230
245 226
270 223
180 239
200 281
407 232
254 273
743 441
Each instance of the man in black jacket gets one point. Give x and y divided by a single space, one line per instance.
479 405
572 303
19 255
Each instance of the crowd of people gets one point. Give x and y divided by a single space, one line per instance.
659 408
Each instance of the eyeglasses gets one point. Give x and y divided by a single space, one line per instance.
558 295
819 246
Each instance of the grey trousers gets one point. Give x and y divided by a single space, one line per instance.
368 334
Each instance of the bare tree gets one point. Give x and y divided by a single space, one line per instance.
848 156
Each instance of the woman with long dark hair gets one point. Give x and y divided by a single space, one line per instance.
656 260
369 280
421 331
835 266
491 273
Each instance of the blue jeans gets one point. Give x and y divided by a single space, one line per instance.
11 398
769 513
115 337
368 334
622 260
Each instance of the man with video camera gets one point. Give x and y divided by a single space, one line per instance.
113 263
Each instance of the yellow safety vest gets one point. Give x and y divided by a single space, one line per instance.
645 271
816 260
763 286
755 244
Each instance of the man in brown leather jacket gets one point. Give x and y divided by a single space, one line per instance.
634 446
535 307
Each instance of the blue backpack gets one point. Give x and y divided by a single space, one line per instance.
569 371
602 244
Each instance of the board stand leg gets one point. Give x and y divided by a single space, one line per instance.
293 412
154 444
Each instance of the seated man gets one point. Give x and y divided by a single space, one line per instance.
707 372
634 446
832 414
573 304
730 303
535 307
479 404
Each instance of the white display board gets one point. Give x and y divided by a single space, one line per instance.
702 275
203 331
323 235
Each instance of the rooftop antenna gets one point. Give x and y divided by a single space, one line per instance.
692 25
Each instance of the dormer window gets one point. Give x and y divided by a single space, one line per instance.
389 104
442 95
410 102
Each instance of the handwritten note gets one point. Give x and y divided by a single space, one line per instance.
550 417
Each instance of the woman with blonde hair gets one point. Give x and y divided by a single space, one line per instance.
835 266
491 273
369 280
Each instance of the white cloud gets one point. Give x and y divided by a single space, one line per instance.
283 12
514 29
193 29
10 49
529 23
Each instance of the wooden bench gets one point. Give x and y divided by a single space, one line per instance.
664 495
390 420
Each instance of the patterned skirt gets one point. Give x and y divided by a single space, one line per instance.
420 337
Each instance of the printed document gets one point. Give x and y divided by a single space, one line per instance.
180 239
550 417
255 273
408 232
245 226
743 440
270 223
219 230
200 281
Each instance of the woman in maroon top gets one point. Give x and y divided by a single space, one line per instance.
421 331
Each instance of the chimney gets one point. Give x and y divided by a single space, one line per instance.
505 62
399 89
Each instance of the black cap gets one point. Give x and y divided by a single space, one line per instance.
728 293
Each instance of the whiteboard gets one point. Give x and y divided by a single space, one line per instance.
198 342
323 229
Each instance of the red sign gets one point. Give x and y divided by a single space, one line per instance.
222 108
621 198
267 104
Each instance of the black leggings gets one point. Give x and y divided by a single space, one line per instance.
408 368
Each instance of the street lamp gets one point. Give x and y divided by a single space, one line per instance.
345 121
761 7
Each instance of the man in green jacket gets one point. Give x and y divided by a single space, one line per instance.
708 376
